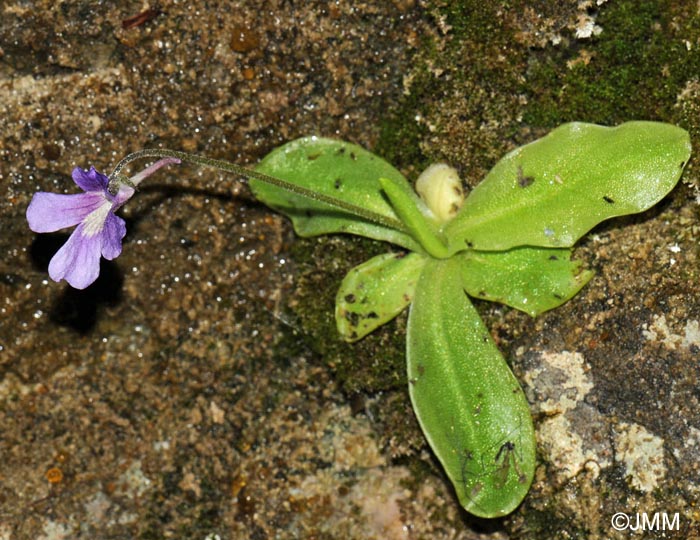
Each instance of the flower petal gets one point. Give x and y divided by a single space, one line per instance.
112 233
49 212
78 261
91 180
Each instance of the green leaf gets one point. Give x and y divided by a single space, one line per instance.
530 279
336 169
375 292
470 406
552 191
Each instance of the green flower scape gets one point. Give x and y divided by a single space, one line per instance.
510 241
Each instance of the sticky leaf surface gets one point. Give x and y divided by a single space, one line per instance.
470 406
375 292
530 279
551 192
338 169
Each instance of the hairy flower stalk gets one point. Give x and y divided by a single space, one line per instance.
242 171
99 231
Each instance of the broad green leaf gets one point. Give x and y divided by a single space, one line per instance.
470 406
552 191
335 169
375 292
530 279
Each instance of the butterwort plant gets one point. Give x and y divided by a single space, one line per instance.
510 241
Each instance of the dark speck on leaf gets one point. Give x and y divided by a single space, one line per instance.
350 298
372 315
557 296
337 183
353 156
553 258
524 181
312 157
469 244
608 200
421 369
340 150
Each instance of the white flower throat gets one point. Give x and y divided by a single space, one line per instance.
94 222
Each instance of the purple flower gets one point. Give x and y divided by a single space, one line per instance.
98 232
